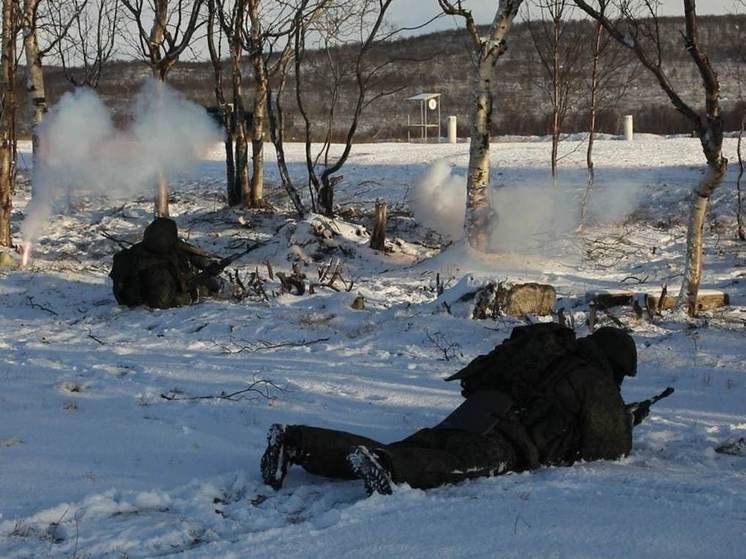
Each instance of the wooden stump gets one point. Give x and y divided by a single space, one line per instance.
706 301
378 238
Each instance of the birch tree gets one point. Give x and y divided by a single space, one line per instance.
170 34
34 20
357 24
7 118
643 38
485 52
277 63
559 43
612 69
256 45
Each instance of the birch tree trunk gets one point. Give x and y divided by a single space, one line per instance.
697 214
256 198
34 75
478 208
7 121
486 51
239 119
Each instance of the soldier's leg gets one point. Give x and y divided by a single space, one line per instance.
433 457
319 451
324 451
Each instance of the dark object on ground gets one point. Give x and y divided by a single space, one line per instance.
733 448
162 271
555 406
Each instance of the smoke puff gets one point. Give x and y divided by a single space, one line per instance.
438 200
82 151
530 215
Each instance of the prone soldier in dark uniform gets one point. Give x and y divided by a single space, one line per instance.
540 398
163 271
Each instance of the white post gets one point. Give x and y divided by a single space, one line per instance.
452 130
629 133
440 135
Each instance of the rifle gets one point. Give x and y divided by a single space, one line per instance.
640 410
215 268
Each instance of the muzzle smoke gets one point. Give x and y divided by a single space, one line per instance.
82 152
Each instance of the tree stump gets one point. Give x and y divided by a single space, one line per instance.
378 238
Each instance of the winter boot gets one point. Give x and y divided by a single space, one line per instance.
367 466
277 457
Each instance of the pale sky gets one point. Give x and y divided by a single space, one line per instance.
408 13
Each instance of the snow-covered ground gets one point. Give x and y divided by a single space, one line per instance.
94 462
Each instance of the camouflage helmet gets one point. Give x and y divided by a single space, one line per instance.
161 235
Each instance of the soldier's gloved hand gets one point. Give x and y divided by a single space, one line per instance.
637 413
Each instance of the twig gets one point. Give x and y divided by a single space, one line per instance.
263 391
262 345
635 278
94 338
40 307
439 341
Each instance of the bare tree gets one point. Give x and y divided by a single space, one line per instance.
643 38
612 68
88 42
358 25
171 32
486 51
276 68
559 43
8 118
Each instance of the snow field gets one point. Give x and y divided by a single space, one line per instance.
95 463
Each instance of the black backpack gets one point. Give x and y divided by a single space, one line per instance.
521 365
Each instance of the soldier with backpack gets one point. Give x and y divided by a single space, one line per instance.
163 271
542 397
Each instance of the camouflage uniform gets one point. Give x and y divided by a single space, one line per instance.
161 271
574 411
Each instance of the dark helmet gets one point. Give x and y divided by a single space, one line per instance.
161 235
619 349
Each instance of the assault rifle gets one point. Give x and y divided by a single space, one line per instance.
640 410
216 267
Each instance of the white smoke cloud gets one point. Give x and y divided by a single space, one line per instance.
531 215
82 151
438 200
